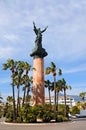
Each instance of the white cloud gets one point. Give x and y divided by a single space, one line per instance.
77 88
5 80
11 37
6 52
75 69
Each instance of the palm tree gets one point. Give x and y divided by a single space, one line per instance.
58 89
10 99
82 95
27 67
65 87
23 100
27 83
26 80
18 81
52 69
48 85
11 65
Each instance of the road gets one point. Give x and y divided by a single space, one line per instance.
73 125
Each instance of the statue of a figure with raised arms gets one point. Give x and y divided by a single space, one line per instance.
38 51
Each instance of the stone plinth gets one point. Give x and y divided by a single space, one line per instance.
38 81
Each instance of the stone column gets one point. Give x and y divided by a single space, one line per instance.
38 76
38 81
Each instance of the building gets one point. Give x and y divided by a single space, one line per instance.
69 100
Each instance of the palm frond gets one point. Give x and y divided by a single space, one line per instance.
53 65
60 71
48 70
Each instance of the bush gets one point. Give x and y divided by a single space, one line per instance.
0 114
1 111
65 119
75 110
27 115
31 118
38 111
18 120
9 116
9 119
31 114
61 118
47 116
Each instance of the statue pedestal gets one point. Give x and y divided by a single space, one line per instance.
38 81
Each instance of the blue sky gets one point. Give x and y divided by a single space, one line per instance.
64 40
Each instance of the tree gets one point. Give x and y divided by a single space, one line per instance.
23 100
65 87
27 84
82 95
52 69
11 65
48 85
9 99
18 81
58 89
26 80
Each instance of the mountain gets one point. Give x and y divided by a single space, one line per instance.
76 97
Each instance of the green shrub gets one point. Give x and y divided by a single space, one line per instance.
65 119
75 110
9 116
59 118
31 118
38 111
9 119
0 114
18 120
47 116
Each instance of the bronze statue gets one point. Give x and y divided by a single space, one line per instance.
38 51
38 33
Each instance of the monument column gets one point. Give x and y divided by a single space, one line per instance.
38 54
38 81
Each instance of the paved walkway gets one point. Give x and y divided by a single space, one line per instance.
79 124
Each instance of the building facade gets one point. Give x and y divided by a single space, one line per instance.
69 100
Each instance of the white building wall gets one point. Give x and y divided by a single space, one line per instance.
69 100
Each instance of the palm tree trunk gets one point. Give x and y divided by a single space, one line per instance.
65 103
24 97
13 91
49 97
57 101
14 109
28 90
18 101
55 92
57 105
55 97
